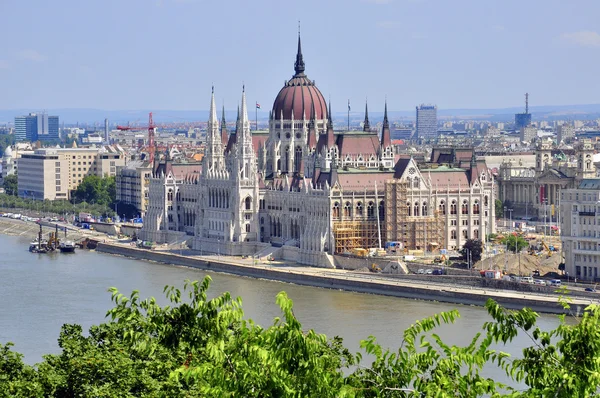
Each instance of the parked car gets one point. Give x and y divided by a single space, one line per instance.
429 271
590 289
421 271
526 279
555 282
539 282
438 272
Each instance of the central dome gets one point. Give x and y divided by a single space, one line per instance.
299 95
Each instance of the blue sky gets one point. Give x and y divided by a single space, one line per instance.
165 54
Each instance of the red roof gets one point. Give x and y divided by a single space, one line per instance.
299 94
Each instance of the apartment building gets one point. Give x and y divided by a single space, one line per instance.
132 183
580 234
52 173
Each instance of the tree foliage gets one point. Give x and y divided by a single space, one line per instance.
472 248
515 243
94 189
58 207
201 347
499 207
10 185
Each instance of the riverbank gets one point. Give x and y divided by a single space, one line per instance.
344 280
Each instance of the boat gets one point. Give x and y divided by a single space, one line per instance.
67 246
36 247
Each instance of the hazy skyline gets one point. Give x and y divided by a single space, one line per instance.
166 54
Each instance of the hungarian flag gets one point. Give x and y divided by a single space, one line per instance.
348 105
257 105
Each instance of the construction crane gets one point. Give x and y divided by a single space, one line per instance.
151 127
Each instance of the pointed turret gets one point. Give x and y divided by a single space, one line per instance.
386 139
212 115
237 120
366 125
329 116
224 135
299 64
244 121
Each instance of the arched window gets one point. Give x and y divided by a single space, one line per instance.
381 211
347 209
465 207
248 203
453 234
278 164
416 209
424 209
476 207
408 207
485 201
247 227
465 234
170 195
298 159
476 234
443 207
416 183
370 210
359 209
336 210
453 207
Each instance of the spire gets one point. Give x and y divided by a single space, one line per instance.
244 121
237 120
386 139
312 133
212 116
299 65
329 116
366 126
224 135
473 159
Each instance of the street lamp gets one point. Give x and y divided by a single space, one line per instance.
507 238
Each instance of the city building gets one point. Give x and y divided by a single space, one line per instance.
11 156
580 237
528 190
565 133
34 127
132 183
523 119
301 191
52 173
426 122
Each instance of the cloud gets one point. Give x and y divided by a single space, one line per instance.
4 64
31 55
583 38
387 24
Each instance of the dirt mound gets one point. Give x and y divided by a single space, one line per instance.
528 263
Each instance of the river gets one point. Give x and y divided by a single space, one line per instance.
42 292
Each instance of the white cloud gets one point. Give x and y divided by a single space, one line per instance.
4 64
31 55
582 38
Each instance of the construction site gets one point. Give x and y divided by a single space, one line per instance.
425 232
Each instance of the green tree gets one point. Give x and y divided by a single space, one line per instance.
98 190
515 243
499 207
10 185
200 347
472 248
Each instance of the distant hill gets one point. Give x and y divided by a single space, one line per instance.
140 117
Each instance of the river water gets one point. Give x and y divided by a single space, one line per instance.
42 292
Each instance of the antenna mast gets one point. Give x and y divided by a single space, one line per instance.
526 102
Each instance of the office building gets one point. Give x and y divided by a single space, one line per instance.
580 238
132 182
34 127
426 122
52 173
523 120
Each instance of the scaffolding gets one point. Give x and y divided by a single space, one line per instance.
415 232
349 235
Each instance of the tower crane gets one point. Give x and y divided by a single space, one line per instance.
151 127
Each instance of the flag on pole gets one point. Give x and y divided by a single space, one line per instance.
257 105
348 105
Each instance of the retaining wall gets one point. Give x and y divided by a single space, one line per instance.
327 281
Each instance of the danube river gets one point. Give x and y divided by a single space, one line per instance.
42 292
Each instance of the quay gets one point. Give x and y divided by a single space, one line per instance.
351 281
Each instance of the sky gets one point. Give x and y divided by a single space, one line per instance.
166 54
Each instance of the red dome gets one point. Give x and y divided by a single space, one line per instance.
299 95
